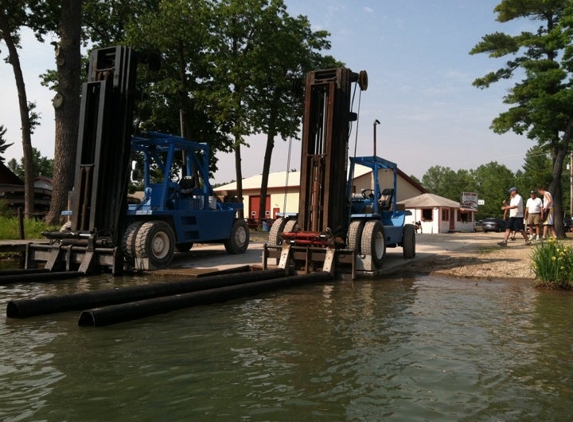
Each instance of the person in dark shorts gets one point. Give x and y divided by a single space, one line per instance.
515 223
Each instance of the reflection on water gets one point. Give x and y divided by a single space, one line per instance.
403 349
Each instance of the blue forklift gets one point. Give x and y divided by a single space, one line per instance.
336 228
107 234
177 211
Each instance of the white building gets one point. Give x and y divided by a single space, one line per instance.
284 188
437 214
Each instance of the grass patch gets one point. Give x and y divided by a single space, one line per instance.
487 249
552 263
9 228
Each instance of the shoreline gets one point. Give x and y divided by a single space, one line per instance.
460 255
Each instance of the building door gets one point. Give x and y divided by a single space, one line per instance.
254 202
453 213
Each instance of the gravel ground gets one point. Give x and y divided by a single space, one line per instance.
481 258
461 255
466 255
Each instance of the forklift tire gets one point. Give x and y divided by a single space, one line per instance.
239 240
355 231
183 247
373 242
409 241
128 239
155 240
289 226
275 232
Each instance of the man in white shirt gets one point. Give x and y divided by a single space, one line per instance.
533 215
515 222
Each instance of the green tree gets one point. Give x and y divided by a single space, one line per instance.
492 181
437 180
238 31
3 143
106 23
541 104
537 168
41 166
174 99
287 52
13 165
443 181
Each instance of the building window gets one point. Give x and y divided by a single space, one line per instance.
464 217
427 214
445 215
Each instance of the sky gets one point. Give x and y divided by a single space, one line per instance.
420 74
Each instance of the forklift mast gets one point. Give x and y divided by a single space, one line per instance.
106 124
324 157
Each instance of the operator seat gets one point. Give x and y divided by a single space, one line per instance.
187 184
385 202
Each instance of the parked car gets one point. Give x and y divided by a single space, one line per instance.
492 225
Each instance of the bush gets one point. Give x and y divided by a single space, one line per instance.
9 228
5 210
553 265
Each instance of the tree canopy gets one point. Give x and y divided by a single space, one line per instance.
231 68
541 102
4 145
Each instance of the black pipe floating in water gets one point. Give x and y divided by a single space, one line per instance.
39 277
18 271
129 311
24 308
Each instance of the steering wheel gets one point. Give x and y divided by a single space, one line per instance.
368 193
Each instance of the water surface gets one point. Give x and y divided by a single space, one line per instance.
405 349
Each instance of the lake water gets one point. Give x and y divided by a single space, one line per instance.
401 349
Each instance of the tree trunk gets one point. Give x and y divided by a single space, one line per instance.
67 107
239 174
267 161
265 178
24 115
555 189
559 152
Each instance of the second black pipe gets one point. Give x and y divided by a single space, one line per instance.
24 308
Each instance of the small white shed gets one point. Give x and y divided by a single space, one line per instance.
437 214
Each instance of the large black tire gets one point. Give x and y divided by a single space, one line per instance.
155 240
409 241
373 242
238 242
355 231
275 232
183 247
128 240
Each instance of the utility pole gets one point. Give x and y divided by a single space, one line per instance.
571 184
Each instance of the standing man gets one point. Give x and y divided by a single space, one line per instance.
547 212
515 223
533 215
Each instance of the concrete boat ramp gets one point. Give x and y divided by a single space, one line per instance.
207 258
